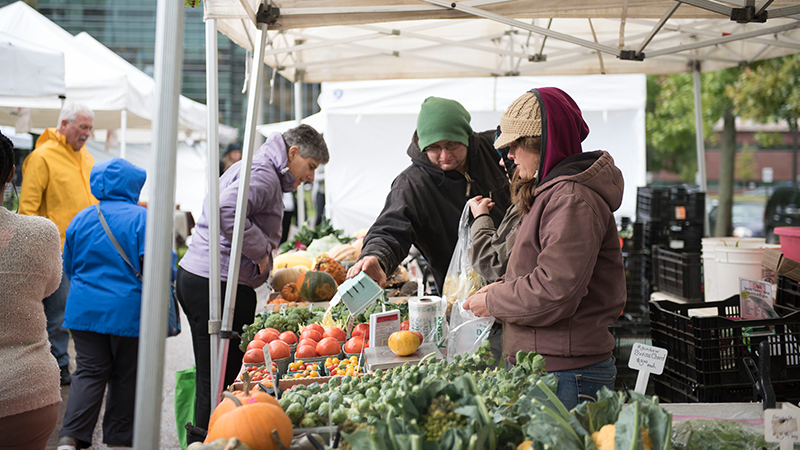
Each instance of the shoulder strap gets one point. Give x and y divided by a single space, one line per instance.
114 241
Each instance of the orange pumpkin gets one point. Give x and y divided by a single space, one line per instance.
259 425
248 395
290 293
331 266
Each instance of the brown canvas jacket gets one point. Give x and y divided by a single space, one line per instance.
565 281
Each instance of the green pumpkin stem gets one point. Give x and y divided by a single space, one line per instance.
233 398
278 440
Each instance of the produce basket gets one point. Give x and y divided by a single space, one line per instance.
788 292
676 203
678 273
706 354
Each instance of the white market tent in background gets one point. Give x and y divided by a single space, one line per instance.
412 39
120 95
29 70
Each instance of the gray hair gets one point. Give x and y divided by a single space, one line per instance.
71 111
309 141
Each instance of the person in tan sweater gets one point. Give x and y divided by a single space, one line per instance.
30 270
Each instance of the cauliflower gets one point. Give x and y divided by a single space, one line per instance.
604 439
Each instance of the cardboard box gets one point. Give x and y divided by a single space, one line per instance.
775 261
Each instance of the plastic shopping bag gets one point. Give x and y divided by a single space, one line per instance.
467 331
184 401
461 279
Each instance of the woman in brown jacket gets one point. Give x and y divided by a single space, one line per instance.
565 281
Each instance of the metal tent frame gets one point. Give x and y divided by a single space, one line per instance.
375 39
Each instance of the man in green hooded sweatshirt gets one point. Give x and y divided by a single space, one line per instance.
449 165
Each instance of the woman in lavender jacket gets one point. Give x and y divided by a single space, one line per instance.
283 163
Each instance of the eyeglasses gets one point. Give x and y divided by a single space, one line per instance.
450 147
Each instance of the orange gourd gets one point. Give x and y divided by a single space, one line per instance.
261 426
290 293
331 266
248 395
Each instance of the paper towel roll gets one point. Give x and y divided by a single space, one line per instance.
427 315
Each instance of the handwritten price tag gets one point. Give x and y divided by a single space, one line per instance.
782 425
646 359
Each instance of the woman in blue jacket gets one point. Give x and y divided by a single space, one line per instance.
104 306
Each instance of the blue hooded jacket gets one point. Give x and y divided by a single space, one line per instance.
105 295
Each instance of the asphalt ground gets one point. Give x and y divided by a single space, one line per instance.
177 356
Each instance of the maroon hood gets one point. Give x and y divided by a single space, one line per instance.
563 128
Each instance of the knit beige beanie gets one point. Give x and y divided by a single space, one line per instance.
522 119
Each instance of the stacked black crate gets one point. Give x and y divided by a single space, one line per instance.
672 222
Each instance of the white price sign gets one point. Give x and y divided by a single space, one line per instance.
646 359
782 425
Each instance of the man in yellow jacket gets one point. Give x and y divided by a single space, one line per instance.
55 184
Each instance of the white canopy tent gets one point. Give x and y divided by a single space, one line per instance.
695 34
30 70
120 95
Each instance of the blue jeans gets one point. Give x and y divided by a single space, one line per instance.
579 385
54 311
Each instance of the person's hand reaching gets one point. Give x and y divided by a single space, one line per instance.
372 267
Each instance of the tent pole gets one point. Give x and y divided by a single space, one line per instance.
160 216
698 126
212 103
298 118
253 95
123 131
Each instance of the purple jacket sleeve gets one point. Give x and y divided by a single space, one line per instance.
255 245
559 280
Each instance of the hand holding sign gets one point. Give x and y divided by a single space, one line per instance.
646 359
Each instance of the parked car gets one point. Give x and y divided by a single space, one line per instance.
783 210
748 219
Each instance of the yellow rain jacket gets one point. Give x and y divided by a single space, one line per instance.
55 181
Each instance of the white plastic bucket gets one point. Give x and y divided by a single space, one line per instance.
710 267
735 258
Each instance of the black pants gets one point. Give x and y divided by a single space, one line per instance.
192 292
102 359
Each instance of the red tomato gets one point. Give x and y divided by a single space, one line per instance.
255 355
315 326
266 335
307 341
273 330
306 351
279 349
312 334
362 330
355 344
255 343
328 346
289 337
419 335
404 325
336 333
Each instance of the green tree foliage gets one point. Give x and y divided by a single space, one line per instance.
746 167
769 91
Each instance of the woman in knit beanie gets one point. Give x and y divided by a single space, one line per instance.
565 281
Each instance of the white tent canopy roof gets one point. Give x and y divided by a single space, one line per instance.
95 76
333 40
30 70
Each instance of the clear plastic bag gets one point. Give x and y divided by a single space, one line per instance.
467 331
461 280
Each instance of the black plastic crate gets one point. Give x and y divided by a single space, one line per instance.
709 350
628 330
673 235
635 242
673 390
788 292
678 273
665 204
